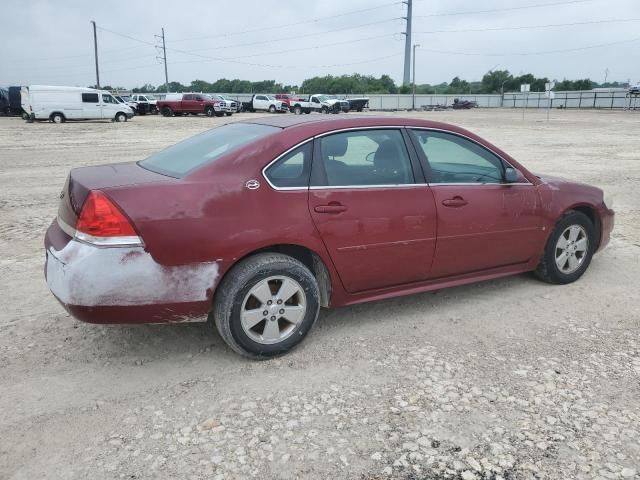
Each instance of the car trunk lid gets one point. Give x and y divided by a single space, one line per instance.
83 180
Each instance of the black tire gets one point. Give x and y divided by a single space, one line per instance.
120 117
219 114
209 111
235 287
297 110
57 118
228 114
272 109
307 112
325 110
547 269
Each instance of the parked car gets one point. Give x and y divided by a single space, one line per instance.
59 104
463 104
4 101
286 98
146 103
190 103
319 103
127 101
634 89
358 104
15 100
267 103
390 207
226 105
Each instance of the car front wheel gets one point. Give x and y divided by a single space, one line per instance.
569 249
266 305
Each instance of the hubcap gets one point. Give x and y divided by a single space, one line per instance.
571 249
273 309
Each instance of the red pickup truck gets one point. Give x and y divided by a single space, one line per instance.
193 103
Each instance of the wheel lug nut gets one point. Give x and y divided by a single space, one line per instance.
269 302
281 311
265 313
279 302
273 318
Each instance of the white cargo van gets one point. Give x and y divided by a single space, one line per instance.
59 104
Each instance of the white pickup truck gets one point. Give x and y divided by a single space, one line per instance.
265 102
319 103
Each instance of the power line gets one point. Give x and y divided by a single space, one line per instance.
296 37
540 52
505 9
526 27
280 26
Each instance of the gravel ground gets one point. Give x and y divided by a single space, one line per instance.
510 379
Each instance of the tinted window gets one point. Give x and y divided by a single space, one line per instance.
179 159
454 159
90 98
293 169
187 97
365 157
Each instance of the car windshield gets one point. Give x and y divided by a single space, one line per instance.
150 97
270 97
184 157
322 98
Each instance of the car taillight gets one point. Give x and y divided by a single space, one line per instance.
102 222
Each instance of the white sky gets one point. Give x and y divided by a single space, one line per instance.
51 42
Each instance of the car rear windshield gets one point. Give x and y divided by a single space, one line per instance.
184 157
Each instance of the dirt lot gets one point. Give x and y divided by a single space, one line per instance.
508 379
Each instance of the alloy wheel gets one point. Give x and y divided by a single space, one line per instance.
571 249
273 309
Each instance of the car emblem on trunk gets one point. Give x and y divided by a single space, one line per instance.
252 184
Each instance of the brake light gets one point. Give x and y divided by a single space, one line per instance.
100 217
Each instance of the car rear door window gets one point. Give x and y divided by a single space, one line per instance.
292 170
90 98
364 157
455 159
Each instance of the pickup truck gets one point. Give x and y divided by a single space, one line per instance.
265 102
319 103
226 105
358 104
193 103
146 103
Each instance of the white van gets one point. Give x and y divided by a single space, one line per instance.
59 104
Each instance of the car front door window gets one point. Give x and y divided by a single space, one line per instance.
454 159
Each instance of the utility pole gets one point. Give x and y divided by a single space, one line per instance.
95 48
413 98
164 60
407 44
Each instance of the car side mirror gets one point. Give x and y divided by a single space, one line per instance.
511 175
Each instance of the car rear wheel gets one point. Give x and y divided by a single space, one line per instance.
569 249
57 118
266 305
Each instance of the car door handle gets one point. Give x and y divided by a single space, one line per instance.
455 202
331 208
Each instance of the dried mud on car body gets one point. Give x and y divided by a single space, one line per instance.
510 378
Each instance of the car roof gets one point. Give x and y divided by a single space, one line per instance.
319 123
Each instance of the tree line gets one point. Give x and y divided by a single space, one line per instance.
497 81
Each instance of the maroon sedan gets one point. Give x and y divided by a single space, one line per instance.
258 224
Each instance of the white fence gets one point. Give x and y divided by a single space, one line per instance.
606 99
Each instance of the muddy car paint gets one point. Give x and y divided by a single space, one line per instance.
205 222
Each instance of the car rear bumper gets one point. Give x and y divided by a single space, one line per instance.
124 284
